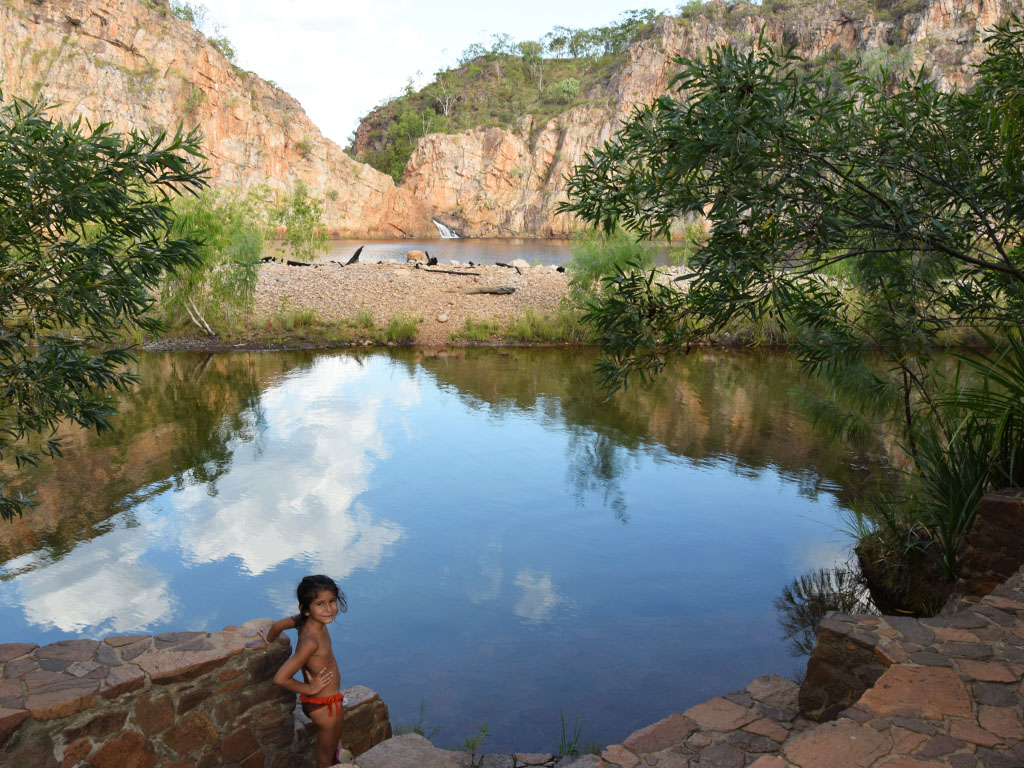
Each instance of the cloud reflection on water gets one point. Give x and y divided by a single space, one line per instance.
103 584
540 599
322 435
324 441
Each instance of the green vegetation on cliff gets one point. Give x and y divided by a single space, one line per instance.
499 85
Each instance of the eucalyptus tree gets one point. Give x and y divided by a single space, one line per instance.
222 283
302 216
849 211
85 236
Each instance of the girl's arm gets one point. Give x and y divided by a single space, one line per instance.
285 676
280 626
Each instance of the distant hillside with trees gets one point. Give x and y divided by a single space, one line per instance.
499 84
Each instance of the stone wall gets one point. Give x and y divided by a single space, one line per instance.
995 546
172 700
852 652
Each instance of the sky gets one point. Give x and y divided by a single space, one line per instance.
341 58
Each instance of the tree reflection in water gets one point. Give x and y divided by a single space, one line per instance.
806 600
596 464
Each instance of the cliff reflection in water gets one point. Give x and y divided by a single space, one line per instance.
174 427
195 485
708 407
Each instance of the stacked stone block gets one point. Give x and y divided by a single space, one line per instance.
995 546
172 700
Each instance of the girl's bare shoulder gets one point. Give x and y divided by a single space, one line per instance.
307 640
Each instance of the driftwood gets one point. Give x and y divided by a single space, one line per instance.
355 256
446 271
289 262
497 290
508 266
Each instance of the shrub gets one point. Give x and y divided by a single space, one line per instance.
223 47
85 234
564 91
597 255
222 283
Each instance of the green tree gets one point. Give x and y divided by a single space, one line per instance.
825 188
564 91
194 13
223 281
850 211
302 216
85 235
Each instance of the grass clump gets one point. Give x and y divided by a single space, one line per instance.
363 319
573 744
420 726
966 442
473 743
400 329
553 327
477 330
290 319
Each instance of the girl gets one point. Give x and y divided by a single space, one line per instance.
320 600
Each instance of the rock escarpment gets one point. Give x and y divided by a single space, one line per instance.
132 63
499 183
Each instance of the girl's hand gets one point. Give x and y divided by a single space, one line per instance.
320 681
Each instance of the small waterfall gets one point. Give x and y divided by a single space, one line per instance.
446 234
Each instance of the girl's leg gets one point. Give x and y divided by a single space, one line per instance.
328 734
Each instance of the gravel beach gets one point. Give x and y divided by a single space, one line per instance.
443 300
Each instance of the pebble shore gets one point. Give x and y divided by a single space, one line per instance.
389 289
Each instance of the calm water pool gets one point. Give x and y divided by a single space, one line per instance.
512 544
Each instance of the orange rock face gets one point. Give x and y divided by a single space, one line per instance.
135 65
491 182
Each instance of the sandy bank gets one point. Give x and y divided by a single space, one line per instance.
387 290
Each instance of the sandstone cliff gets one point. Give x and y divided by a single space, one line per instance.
132 63
493 182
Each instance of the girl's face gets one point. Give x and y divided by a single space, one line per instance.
324 607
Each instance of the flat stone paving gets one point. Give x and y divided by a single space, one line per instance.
949 696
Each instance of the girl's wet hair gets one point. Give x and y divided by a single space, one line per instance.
309 588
